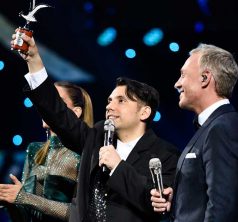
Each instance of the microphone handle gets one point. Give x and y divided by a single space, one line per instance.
159 186
107 141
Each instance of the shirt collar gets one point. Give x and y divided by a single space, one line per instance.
124 149
203 116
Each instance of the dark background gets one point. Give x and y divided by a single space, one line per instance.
71 31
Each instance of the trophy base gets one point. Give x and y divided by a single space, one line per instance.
19 45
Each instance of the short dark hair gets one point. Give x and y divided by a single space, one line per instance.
146 94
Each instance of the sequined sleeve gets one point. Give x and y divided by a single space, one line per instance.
26 168
49 207
48 189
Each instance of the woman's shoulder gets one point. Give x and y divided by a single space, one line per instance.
33 147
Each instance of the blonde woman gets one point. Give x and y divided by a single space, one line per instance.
50 169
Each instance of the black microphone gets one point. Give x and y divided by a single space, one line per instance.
155 167
109 129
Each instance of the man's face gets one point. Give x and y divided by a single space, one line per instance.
125 112
189 83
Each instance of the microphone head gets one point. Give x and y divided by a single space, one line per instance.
155 163
109 125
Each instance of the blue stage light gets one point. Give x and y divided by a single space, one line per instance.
88 7
204 7
199 27
107 36
153 37
174 47
130 53
17 140
28 103
157 116
1 65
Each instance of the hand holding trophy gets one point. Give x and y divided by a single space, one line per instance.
19 44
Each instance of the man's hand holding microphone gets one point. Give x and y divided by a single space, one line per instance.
161 198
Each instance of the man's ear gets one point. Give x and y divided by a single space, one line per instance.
78 111
145 112
206 78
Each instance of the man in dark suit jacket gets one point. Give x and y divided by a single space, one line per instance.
124 195
206 183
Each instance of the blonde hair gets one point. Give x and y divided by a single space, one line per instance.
87 114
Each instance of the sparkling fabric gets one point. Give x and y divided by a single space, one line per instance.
98 198
62 164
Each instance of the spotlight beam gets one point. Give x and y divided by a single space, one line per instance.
57 67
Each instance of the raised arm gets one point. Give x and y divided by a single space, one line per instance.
32 57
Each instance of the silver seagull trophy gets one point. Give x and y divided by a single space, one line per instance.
33 9
19 44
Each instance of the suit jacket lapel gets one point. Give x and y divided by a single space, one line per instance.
221 110
142 145
188 148
133 156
